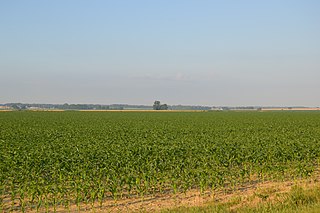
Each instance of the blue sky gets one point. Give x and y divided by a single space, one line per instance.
177 51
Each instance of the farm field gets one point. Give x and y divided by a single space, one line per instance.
63 160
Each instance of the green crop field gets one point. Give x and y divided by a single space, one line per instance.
58 159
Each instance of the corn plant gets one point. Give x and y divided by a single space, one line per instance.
75 158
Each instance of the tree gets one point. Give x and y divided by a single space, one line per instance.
163 107
158 106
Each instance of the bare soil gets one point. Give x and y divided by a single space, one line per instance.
248 195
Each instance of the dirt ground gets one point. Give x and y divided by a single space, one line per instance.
245 195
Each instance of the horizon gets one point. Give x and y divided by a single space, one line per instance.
147 105
206 53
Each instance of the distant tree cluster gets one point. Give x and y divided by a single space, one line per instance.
82 107
187 107
158 106
66 106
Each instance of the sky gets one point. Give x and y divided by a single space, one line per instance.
191 52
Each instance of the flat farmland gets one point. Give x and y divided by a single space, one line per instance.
58 160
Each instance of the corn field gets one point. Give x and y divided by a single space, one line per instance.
54 160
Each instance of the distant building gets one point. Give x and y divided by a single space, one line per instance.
4 107
217 108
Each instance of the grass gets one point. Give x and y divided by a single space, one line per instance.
302 199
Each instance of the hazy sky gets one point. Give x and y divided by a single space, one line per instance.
178 51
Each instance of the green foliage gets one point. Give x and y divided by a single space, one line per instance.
158 106
63 158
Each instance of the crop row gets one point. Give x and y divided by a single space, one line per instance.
51 159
